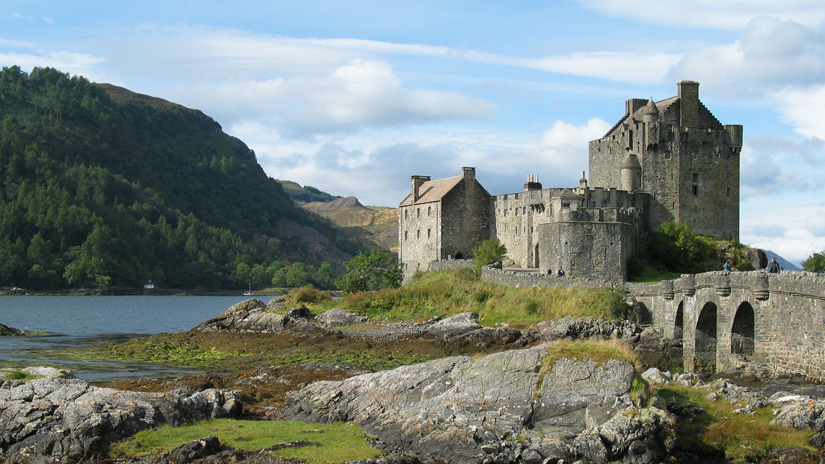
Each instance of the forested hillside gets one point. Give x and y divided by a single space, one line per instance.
101 186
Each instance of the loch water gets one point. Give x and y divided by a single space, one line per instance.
83 320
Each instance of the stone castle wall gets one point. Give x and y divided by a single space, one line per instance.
517 278
419 236
465 222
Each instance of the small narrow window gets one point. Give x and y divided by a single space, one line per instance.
418 233
405 235
428 233
429 211
728 192
418 212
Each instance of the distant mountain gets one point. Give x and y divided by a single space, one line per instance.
373 226
103 186
783 263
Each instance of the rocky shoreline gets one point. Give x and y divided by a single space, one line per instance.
514 404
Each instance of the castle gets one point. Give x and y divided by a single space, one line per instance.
664 161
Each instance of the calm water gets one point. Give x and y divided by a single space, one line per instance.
76 320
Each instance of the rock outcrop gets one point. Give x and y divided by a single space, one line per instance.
6 330
253 316
513 406
57 416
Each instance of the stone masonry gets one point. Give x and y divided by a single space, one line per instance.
663 161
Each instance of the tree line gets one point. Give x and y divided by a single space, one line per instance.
105 191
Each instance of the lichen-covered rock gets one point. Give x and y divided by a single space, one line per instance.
338 317
64 418
493 408
588 327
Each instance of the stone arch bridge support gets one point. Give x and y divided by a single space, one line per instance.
727 320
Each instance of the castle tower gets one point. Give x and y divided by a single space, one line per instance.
687 161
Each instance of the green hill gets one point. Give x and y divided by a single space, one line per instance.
102 186
306 193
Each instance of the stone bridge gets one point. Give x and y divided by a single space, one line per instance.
729 319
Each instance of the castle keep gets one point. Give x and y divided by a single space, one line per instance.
663 161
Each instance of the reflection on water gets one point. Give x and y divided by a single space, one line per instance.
73 321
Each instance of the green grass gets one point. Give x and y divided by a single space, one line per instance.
741 437
446 293
18 374
651 275
181 353
600 351
337 442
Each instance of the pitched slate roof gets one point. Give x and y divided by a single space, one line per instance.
433 190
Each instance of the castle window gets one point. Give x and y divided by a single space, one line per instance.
428 233
592 205
728 192
405 213
418 233
604 203
405 235
428 211
418 212
694 188
483 223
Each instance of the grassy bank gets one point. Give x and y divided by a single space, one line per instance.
717 430
446 293
312 443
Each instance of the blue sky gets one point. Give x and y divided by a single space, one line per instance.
354 97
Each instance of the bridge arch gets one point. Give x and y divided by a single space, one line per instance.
679 322
705 339
742 333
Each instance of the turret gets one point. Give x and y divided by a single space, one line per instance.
651 113
631 173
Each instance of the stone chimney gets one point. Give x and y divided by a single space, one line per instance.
689 98
532 183
469 173
633 105
417 182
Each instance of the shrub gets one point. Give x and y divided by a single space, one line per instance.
815 262
307 295
374 271
488 252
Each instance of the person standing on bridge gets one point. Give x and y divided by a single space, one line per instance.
727 266
774 267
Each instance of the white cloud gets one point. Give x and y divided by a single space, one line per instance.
770 55
355 96
714 14
815 224
803 109
564 148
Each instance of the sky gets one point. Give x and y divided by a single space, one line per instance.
355 97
